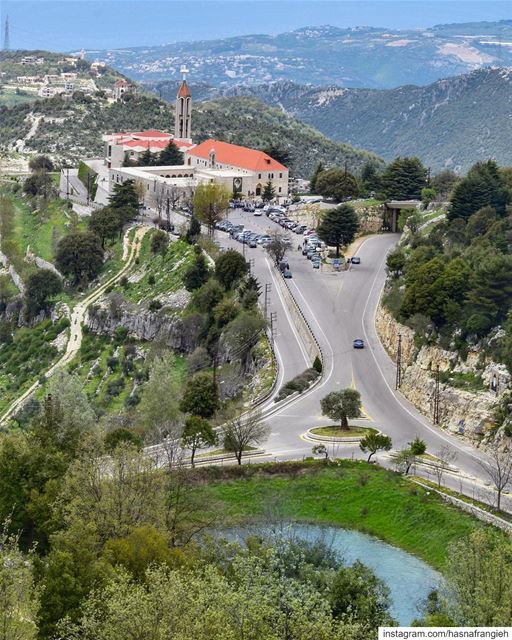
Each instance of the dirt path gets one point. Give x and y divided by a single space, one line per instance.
130 252
33 128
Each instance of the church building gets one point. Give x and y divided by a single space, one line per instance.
240 169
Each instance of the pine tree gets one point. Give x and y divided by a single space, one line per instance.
269 192
171 155
483 186
403 179
339 227
318 170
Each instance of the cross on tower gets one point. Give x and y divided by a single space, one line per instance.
184 71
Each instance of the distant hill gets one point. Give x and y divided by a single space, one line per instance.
72 129
26 73
354 57
450 123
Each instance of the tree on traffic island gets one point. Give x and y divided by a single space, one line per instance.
342 405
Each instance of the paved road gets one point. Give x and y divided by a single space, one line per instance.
341 307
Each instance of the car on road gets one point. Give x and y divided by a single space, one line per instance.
316 263
257 212
252 244
358 343
355 260
287 273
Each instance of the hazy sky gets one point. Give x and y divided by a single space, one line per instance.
71 24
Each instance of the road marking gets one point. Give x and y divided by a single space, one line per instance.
398 400
287 313
366 415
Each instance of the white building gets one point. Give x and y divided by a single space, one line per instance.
240 169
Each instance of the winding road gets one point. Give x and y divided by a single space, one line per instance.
131 249
340 307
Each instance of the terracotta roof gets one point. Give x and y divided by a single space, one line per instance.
237 156
143 144
123 83
150 133
183 91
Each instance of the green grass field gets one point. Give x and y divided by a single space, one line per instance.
333 431
348 494
41 230
156 275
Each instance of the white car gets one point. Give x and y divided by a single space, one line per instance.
257 212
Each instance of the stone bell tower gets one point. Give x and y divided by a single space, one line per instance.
183 119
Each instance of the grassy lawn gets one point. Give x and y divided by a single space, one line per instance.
368 202
347 494
333 431
41 230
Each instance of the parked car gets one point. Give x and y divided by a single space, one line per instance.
283 266
316 263
358 343
257 212
355 260
287 273
252 243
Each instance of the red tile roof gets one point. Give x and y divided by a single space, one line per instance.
184 91
237 156
150 133
144 144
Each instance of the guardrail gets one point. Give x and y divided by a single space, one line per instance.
303 325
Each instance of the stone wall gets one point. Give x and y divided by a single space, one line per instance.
370 219
473 411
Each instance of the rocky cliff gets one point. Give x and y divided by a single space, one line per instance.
465 412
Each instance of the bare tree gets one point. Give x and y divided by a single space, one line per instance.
446 457
498 467
278 246
405 460
159 199
244 431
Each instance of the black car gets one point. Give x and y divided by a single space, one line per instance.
358 343
355 260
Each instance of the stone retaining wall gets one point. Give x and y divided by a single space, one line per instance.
473 411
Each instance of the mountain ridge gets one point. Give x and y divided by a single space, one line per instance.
374 57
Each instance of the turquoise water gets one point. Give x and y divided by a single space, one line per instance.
409 580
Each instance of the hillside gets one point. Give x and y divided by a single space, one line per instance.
450 123
72 129
28 75
352 57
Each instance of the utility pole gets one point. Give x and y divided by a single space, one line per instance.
398 383
88 188
251 265
214 367
436 397
7 44
273 323
267 299
429 172
67 184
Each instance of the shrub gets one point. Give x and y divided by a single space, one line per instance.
317 364
154 305
300 383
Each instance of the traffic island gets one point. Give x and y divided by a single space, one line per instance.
333 434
